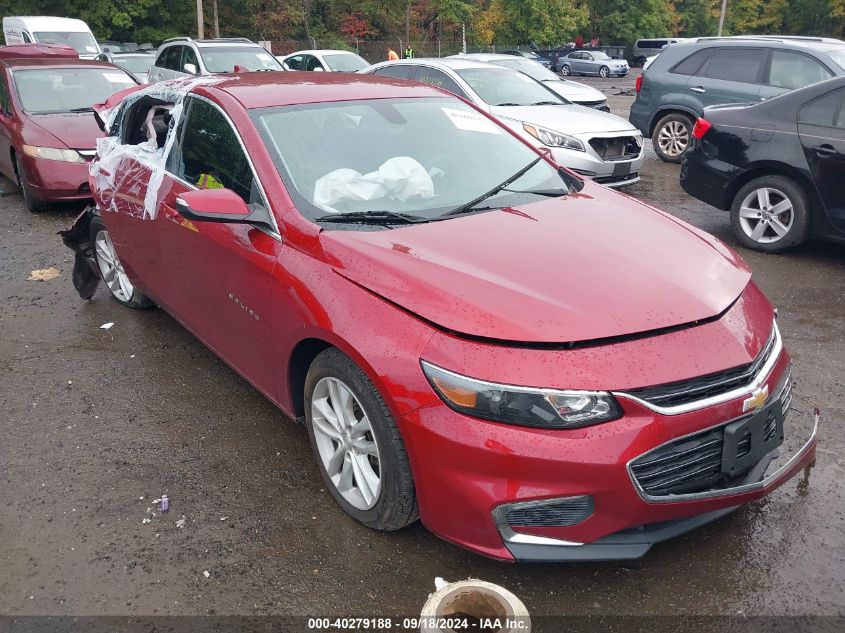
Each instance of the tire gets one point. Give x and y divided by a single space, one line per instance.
604 71
394 504
674 132
111 270
565 70
35 205
767 230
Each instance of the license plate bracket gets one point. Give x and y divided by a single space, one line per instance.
739 457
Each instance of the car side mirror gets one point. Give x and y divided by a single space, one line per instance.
221 205
189 68
318 69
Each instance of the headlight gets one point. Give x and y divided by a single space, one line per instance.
54 153
525 406
553 139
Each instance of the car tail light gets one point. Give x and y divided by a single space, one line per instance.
700 128
638 85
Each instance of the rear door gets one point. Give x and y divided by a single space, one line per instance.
790 70
730 75
821 126
168 59
5 127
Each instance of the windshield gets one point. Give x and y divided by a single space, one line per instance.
421 157
345 62
83 42
600 55
838 56
135 63
223 59
502 86
532 69
49 91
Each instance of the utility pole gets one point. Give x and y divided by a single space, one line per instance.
464 37
216 21
408 22
200 27
722 17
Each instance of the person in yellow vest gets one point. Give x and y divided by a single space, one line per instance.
207 181
409 52
391 55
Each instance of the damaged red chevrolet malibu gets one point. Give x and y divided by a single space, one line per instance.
537 367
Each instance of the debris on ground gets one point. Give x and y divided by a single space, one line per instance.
165 503
206 574
44 274
106 326
146 520
181 522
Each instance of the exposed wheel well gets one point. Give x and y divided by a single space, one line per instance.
769 170
14 164
303 355
662 113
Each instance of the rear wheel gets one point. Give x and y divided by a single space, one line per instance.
565 70
111 270
604 71
35 205
358 447
770 214
672 137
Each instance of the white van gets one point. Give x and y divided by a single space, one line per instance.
45 29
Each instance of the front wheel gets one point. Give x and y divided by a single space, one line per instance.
672 137
604 71
358 447
111 269
35 205
565 70
770 214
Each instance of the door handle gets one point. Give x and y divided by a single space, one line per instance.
698 89
825 150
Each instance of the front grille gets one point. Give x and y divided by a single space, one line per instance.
556 513
701 387
616 148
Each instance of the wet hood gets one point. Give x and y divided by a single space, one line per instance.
569 119
593 265
76 130
574 91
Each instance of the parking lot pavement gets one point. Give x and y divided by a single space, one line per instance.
97 423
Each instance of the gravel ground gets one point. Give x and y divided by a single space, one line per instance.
98 423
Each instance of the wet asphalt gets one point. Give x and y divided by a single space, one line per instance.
97 423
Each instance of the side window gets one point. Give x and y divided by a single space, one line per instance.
692 64
399 71
174 56
296 62
312 63
440 79
795 70
189 57
736 64
26 38
823 110
209 154
160 60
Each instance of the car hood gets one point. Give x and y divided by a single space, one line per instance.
592 265
77 130
574 91
569 119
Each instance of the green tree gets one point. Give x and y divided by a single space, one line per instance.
625 21
546 22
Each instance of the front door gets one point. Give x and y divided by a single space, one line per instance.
219 276
821 126
6 121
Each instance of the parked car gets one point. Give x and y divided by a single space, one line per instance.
648 62
531 55
45 29
324 60
688 76
592 63
138 63
650 47
777 166
384 298
47 128
579 93
598 145
183 56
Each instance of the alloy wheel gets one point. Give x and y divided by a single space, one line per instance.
604 71
766 215
673 138
346 443
564 70
111 269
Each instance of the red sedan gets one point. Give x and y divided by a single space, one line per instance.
48 132
537 367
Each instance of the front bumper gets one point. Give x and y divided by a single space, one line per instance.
55 180
613 173
466 470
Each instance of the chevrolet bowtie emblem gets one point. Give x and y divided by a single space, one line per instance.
757 399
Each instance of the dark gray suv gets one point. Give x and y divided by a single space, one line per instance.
689 76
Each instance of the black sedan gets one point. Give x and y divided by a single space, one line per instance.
777 165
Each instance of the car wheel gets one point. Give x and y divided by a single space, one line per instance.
32 203
604 71
565 70
358 447
770 214
672 137
111 270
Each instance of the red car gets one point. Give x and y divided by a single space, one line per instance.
48 132
537 367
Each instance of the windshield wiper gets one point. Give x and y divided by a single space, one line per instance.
549 193
372 217
82 109
548 103
508 103
469 206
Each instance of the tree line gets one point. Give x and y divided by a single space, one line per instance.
485 22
